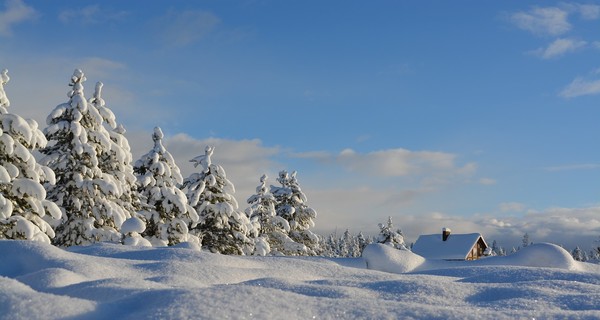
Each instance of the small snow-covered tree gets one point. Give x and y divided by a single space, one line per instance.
329 246
222 227
363 241
388 236
271 227
132 230
525 241
85 194
167 214
577 254
291 205
24 210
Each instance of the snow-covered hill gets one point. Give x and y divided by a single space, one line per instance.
103 281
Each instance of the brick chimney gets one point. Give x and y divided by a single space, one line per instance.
445 233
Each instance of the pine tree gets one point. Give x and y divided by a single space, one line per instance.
222 227
167 215
84 193
577 254
24 210
388 236
116 161
291 205
363 241
329 246
525 241
270 226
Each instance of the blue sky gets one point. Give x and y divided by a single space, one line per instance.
478 117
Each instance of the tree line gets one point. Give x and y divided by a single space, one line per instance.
86 188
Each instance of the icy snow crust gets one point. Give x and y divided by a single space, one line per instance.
103 281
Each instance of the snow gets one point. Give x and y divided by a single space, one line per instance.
133 224
40 281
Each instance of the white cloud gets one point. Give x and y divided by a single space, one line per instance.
560 47
395 162
586 11
487 181
186 27
543 21
581 86
16 12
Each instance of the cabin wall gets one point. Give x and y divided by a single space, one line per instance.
477 250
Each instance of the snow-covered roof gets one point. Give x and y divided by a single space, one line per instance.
456 247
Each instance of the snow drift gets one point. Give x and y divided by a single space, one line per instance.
39 281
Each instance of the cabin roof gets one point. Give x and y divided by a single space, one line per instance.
456 247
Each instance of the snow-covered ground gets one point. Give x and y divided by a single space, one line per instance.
104 281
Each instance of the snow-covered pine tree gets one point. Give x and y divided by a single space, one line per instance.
222 227
23 205
167 214
329 246
291 205
85 194
271 227
345 244
577 254
525 241
116 161
388 236
363 241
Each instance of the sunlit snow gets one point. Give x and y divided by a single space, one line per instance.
102 281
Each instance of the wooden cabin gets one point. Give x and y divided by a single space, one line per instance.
447 246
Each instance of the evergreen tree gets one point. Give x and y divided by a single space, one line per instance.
388 236
222 227
577 254
329 246
501 252
167 214
116 161
84 193
270 226
363 241
23 205
594 255
291 205
526 242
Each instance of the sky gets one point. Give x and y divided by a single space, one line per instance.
480 117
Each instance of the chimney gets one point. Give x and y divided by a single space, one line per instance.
445 233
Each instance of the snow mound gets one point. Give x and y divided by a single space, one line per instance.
133 224
51 278
537 255
389 259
